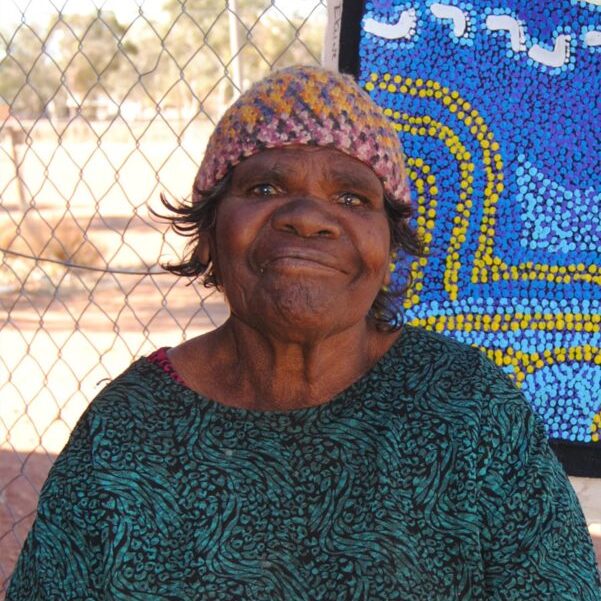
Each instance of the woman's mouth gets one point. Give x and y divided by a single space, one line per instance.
296 260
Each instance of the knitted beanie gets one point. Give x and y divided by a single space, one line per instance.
306 106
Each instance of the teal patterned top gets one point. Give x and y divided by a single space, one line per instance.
428 479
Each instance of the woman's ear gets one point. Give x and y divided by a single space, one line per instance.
390 266
387 276
202 252
206 253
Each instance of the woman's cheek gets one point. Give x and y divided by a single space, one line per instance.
375 248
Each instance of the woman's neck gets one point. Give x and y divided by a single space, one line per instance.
237 365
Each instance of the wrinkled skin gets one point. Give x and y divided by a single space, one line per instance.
301 248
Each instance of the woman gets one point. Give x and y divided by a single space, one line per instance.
309 448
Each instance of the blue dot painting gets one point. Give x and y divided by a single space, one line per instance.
498 106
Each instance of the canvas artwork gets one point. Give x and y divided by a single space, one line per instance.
498 106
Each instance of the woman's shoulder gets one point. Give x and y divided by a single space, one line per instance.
420 346
418 349
142 389
451 373
433 343
457 385
134 411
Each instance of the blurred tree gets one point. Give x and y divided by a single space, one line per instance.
92 62
27 79
77 60
94 59
196 69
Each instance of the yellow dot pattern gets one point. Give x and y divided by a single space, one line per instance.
511 322
426 126
596 427
527 363
486 267
424 182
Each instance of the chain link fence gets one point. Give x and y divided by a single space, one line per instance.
103 105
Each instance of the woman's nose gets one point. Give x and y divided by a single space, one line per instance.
306 217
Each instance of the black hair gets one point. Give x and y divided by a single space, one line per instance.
197 217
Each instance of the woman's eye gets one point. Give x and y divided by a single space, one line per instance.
263 190
349 199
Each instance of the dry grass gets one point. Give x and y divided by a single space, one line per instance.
57 241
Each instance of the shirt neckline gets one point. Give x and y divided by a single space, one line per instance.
338 402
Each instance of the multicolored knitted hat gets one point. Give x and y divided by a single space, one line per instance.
306 105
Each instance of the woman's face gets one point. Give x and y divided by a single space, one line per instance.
301 244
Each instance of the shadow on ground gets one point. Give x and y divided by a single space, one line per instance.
21 478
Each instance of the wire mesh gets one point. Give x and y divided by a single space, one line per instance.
103 105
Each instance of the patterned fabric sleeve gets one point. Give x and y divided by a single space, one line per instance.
535 541
59 559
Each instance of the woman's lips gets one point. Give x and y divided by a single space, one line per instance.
301 259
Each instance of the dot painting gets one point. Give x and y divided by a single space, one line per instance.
498 107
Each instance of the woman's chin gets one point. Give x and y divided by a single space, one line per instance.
298 309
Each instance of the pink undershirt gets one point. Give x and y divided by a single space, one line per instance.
161 358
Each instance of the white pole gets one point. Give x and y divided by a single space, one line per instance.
236 76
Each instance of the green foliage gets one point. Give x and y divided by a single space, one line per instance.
90 52
188 61
26 82
74 61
